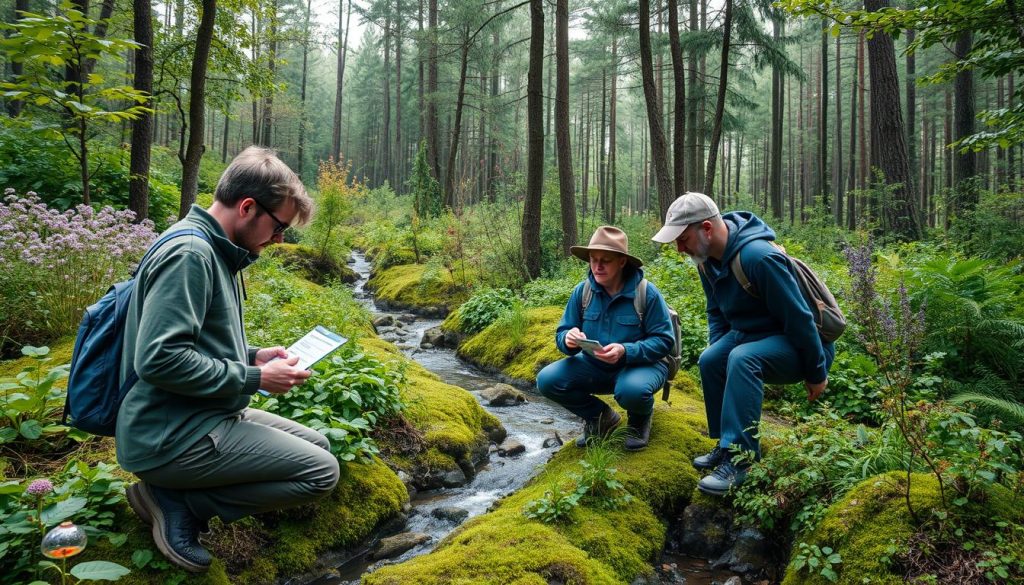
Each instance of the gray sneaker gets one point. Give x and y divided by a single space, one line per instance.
723 478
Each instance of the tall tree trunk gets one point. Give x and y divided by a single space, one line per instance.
196 105
453 150
268 101
492 166
702 103
535 133
862 124
398 174
142 125
302 95
659 146
822 186
775 170
612 133
106 11
339 81
384 144
911 83
723 77
888 145
851 218
224 142
566 181
837 159
602 179
964 163
679 99
433 140
696 94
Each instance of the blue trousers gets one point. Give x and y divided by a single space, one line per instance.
733 373
573 382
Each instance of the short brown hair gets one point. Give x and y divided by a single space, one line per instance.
257 172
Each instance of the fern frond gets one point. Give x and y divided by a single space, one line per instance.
1007 409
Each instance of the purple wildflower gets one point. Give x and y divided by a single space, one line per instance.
39 488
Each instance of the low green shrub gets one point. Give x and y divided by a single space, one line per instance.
486 307
32 403
344 400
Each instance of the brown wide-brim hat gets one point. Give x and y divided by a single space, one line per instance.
608 239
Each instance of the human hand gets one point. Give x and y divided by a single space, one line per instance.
611 353
279 376
571 336
265 355
815 390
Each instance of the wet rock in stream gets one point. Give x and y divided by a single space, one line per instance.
451 514
502 395
393 546
510 448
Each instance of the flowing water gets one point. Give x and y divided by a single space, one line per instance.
530 424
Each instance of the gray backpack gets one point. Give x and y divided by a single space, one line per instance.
674 357
827 317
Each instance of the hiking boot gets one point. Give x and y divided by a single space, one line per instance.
175 528
639 432
710 460
601 426
724 477
134 493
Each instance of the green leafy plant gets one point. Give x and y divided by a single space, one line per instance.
32 402
556 504
817 560
485 307
347 397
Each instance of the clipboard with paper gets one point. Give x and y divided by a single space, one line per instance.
313 347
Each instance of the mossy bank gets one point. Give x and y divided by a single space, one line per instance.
423 288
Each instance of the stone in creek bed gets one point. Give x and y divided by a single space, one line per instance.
502 395
511 447
553 440
384 321
450 513
393 546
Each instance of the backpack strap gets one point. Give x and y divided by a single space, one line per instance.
182 232
640 299
588 295
741 277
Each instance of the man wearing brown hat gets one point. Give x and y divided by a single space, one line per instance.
615 330
763 333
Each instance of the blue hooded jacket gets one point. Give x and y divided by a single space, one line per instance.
613 319
780 308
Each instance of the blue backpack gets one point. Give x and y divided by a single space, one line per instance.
94 391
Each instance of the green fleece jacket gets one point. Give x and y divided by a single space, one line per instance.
185 338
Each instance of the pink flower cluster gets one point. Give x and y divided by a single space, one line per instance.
39 487
57 263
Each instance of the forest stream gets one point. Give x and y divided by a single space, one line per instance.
538 424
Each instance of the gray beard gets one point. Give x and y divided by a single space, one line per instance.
698 260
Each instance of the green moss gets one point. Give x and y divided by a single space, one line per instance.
60 353
452 422
595 545
522 358
413 285
862 526
289 541
311 264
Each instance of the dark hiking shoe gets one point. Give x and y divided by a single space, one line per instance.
601 426
724 477
134 493
175 529
710 460
639 432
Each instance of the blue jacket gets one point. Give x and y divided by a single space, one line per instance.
780 308
614 320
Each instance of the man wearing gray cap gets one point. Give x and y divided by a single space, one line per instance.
762 333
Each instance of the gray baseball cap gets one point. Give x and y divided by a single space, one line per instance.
687 209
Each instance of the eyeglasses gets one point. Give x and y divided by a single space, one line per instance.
281 226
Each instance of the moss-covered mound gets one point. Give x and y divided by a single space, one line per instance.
863 525
594 545
312 265
453 423
420 287
494 348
